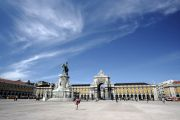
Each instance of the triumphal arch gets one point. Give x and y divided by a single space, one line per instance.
101 86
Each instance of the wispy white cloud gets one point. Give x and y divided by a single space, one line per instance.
126 9
50 22
25 63
16 74
43 23
46 22
21 69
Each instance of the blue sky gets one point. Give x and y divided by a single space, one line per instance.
130 40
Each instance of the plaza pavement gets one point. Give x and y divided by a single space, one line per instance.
91 110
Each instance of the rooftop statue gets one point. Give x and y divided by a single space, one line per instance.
65 68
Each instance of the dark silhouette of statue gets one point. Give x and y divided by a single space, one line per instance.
65 68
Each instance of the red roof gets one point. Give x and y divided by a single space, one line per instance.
18 82
176 82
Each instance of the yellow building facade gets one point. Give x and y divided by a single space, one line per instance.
11 89
135 91
102 88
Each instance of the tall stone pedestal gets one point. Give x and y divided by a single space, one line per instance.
62 92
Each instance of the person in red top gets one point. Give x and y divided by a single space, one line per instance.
77 102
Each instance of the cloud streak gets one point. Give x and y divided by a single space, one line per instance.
46 22
126 9
22 69
59 22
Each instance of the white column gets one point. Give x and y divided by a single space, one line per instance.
172 90
155 93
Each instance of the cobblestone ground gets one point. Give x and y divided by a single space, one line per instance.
101 110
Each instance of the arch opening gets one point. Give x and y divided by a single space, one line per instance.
101 91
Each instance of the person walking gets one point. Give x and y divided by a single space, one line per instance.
16 98
116 98
163 100
77 102
147 99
